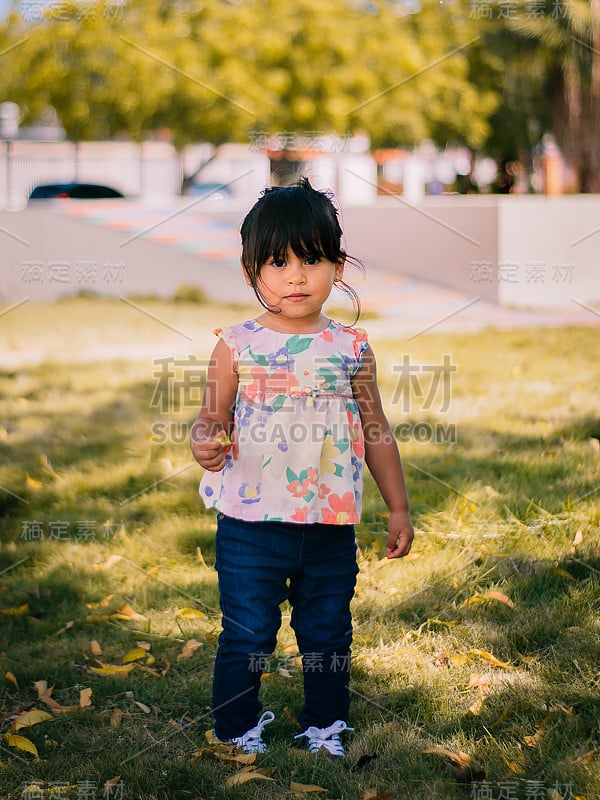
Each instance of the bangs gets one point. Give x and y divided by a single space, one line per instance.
295 217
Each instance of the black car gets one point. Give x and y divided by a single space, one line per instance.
80 191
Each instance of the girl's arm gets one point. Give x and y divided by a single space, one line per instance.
382 456
215 418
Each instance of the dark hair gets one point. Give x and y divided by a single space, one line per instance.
296 216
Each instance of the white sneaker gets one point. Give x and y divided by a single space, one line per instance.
252 741
327 738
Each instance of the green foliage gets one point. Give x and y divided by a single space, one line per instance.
217 71
190 294
567 42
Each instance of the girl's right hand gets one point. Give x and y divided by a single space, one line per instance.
209 451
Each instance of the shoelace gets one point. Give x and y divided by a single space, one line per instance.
251 741
329 738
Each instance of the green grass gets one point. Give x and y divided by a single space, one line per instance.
510 507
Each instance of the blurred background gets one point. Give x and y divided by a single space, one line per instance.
459 136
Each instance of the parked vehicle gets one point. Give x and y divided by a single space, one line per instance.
214 190
79 191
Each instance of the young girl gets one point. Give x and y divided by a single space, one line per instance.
290 413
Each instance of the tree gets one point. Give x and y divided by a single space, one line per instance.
569 37
215 71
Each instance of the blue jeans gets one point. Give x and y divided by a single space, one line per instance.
260 564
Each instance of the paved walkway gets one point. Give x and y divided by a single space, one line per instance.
406 306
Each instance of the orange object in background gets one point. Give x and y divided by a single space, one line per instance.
553 167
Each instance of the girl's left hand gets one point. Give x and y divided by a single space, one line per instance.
400 534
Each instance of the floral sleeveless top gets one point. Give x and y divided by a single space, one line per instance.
297 446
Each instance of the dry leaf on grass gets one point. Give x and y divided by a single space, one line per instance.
562 573
122 670
45 694
67 627
578 539
127 612
190 613
483 598
85 698
305 788
21 743
115 718
292 718
16 611
244 777
245 759
133 655
188 649
458 759
29 718
491 659
475 709
95 648
10 677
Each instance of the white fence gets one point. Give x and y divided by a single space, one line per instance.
151 169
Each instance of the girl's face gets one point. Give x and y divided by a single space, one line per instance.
295 287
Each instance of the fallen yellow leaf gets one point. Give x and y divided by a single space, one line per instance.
534 740
210 737
460 759
235 758
16 611
244 777
29 718
482 598
306 787
585 758
112 669
190 613
490 658
127 612
10 677
134 655
516 766
562 573
32 482
21 743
